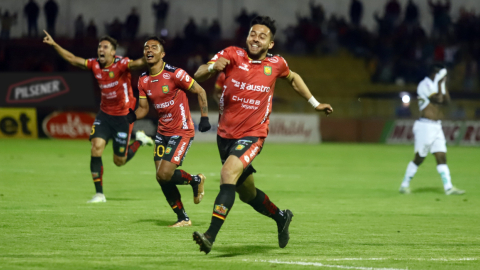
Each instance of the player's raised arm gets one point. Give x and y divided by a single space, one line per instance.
205 71
204 125
137 64
68 56
301 88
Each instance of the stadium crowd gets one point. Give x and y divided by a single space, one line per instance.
397 51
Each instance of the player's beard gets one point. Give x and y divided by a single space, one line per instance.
256 55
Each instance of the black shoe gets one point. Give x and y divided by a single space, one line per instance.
283 234
203 242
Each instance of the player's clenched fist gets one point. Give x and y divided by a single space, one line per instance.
325 108
220 64
48 39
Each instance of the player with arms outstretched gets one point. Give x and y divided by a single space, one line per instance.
432 94
165 88
113 76
245 106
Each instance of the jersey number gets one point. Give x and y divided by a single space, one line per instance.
159 152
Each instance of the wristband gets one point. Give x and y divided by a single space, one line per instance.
313 102
210 68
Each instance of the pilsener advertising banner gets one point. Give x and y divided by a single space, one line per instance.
47 89
456 132
18 123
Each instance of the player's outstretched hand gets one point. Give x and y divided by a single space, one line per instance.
204 125
48 39
220 64
131 116
324 107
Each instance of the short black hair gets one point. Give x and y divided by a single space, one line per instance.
267 21
161 41
436 67
111 40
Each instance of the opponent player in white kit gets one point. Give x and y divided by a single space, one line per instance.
429 137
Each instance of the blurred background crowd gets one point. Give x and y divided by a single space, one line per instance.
397 50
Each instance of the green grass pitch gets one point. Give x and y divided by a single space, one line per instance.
348 212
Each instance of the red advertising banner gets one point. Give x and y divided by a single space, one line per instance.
68 125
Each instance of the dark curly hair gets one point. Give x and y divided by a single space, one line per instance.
267 21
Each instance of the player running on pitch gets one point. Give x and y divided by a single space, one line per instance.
245 106
165 88
113 76
432 93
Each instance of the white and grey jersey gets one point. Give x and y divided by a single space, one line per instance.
426 88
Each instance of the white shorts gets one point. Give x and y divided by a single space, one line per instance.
429 137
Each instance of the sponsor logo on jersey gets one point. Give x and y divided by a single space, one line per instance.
37 89
273 59
175 137
110 95
254 152
145 80
164 105
165 89
267 70
154 81
180 152
240 53
122 135
220 209
239 147
98 76
256 62
246 100
149 92
187 78
184 118
120 141
245 142
111 74
166 76
250 87
169 149
246 158
179 74
244 67
108 85
158 139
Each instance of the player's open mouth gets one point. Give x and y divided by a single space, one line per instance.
149 56
102 55
254 47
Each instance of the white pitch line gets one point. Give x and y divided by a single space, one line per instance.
330 266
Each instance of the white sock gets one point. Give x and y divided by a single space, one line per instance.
444 172
409 174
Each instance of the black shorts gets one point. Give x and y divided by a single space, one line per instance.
171 148
246 149
112 127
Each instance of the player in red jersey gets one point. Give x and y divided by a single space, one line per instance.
165 88
245 106
217 90
113 76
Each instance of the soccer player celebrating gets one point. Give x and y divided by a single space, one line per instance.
245 106
432 93
113 76
165 88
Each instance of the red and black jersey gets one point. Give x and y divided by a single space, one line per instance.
246 101
220 80
115 82
166 92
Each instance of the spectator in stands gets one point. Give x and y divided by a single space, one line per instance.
317 14
31 10
132 24
92 30
7 21
356 12
51 13
79 27
411 13
215 31
161 12
190 30
441 17
392 11
115 29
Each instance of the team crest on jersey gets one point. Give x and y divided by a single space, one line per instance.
169 149
165 89
121 149
267 70
166 76
111 74
239 147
